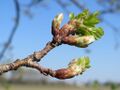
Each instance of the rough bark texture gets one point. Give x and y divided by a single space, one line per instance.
30 61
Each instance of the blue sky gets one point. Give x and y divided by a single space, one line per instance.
34 33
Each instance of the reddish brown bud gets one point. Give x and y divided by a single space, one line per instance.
64 73
56 23
71 40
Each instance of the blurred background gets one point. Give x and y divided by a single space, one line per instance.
25 27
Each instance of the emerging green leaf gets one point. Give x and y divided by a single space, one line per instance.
98 33
57 21
71 16
82 15
85 25
84 41
78 66
91 20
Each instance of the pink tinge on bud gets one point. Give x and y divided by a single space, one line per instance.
84 40
64 73
56 24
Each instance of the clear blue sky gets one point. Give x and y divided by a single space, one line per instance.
34 33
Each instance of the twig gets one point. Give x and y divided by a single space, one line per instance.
63 6
31 61
67 34
76 2
17 7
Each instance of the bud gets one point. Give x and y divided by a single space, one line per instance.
84 41
78 66
57 20
64 73
75 67
56 23
85 27
80 31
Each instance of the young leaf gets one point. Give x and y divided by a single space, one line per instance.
98 33
71 16
92 20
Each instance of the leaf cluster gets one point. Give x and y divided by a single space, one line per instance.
86 24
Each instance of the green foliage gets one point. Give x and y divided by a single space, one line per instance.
84 61
86 24
6 85
79 65
71 16
91 20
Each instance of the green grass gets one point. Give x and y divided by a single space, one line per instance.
39 87
51 87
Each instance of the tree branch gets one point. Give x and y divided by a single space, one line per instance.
17 7
30 61
70 34
77 3
62 5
